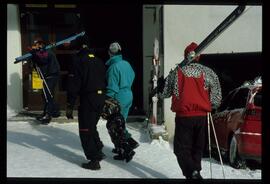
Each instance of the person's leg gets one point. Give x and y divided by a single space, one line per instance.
124 111
200 124
88 134
45 117
183 139
52 106
116 127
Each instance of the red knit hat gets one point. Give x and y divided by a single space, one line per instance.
189 48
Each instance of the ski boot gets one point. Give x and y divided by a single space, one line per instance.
92 165
195 176
133 144
45 120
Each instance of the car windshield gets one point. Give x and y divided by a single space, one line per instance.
236 99
258 99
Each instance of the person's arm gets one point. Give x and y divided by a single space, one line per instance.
170 83
215 90
113 80
74 82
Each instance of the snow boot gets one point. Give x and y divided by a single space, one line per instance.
92 165
45 120
116 150
40 116
125 156
56 114
133 144
119 156
129 156
196 175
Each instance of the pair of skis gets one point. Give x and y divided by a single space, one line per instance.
203 45
67 40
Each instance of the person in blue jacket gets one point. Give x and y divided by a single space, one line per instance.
120 77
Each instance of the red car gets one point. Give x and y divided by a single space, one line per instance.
237 124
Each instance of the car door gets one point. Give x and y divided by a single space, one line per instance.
220 119
236 108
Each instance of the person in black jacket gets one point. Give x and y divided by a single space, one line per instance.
87 79
46 61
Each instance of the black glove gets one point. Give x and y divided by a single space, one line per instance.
34 54
160 84
69 111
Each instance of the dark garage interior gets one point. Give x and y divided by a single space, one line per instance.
233 69
105 24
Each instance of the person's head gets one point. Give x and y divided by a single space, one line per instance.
191 47
38 43
114 49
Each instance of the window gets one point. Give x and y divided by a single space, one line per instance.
239 100
226 101
258 99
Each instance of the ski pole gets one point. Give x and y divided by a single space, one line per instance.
45 95
220 158
209 144
42 77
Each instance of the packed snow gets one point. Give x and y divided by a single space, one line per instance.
55 151
10 112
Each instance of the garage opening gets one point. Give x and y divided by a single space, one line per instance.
233 69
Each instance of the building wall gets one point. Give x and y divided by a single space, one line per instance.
14 71
186 23
151 30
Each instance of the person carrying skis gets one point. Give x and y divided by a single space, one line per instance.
195 91
86 78
120 77
49 67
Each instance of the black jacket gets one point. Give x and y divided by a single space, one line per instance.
47 62
87 75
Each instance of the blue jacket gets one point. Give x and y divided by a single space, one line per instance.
120 77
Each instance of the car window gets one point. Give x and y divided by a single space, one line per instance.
258 99
239 100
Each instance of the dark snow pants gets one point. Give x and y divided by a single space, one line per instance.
116 128
50 106
189 141
88 115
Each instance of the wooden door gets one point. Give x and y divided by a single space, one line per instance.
52 24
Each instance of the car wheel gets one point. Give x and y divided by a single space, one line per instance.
234 159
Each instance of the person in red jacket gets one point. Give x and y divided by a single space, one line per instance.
195 91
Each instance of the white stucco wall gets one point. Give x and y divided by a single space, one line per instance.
14 71
186 23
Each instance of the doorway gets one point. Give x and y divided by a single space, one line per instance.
107 23
103 24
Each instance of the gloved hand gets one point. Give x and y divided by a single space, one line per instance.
34 51
69 111
160 84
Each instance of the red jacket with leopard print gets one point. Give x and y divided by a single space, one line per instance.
195 90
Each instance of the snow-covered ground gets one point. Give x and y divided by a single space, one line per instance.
55 150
